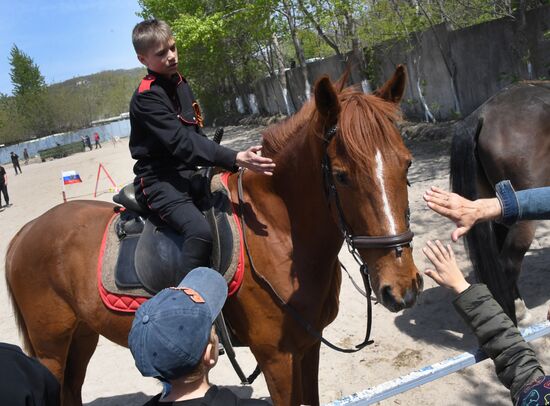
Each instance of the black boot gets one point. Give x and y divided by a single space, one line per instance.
195 253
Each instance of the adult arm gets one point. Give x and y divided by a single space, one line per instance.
463 212
515 362
507 208
529 204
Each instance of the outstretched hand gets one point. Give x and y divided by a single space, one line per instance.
250 159
465 213
446 272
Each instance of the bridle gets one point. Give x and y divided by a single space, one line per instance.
353 242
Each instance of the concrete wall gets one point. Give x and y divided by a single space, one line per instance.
479 61
451 73
120 128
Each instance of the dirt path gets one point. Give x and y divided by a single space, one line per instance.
405 341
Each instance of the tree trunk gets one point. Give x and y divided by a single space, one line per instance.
289 13
289 107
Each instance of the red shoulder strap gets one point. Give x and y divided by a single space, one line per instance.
146 83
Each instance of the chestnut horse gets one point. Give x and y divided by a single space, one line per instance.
508 137
294 237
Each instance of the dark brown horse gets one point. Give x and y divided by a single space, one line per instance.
508 137
294 236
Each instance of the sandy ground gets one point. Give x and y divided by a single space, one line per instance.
428 333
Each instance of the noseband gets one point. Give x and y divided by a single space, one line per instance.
355 242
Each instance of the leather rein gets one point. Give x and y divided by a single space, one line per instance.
353 242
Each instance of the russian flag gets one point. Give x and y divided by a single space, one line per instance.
70 177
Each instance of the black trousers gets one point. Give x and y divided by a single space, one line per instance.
16 166
4 190
170 198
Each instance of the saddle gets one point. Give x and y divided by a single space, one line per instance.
149 246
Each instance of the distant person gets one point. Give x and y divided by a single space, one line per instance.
24 381
515 362
83 140
15 162
96 139
26 156
88 142
4 186
168 144
173 339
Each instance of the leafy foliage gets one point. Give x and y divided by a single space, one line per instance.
25 74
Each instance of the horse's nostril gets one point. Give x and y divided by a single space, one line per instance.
387 296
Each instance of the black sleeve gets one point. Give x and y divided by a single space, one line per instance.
24 380
181 141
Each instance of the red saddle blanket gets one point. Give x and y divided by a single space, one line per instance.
129 303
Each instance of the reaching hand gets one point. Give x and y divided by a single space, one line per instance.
446 273
251 160
465 213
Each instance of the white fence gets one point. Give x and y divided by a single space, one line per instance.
429 373
107 131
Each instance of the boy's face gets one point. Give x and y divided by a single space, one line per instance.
162 58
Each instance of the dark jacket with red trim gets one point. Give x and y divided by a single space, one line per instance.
165 135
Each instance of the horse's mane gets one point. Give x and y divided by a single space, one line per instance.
366 124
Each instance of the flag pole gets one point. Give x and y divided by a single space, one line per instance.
63 189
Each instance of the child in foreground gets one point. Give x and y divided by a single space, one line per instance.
172 339
515 362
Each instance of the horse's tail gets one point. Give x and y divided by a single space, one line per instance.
19 320
481 241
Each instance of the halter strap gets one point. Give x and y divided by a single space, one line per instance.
287 306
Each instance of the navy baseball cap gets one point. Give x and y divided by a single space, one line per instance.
172 329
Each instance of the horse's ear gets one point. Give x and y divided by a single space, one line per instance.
394 88
326 100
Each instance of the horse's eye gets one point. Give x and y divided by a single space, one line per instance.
342 177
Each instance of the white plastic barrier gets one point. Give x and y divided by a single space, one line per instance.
429 373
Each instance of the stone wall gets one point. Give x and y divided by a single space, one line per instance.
451 73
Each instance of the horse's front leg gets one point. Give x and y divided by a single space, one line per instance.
310 376
283 375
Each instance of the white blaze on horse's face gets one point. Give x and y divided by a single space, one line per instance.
380 177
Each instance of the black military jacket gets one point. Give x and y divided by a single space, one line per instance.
165 135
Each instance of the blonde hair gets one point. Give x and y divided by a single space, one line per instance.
149 33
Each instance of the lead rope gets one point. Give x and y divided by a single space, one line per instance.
286 306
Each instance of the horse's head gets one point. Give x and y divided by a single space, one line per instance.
365 168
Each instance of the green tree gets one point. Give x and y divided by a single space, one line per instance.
25 74
29 90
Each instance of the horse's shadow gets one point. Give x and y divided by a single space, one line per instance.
434 321
139 398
